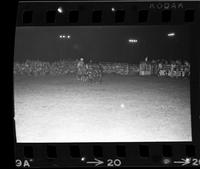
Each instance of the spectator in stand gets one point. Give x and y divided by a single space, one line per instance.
187 68
172 68
160 66
153 64
146 59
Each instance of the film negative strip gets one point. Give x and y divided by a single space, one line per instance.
107 84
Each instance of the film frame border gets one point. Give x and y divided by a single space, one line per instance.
115 154
112 13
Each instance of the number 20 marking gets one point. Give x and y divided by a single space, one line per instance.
113 163
195 162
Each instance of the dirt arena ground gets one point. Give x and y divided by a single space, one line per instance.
121 109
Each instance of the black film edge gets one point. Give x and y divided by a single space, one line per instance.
50 15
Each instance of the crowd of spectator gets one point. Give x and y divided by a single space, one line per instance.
41 68
162 67
159 68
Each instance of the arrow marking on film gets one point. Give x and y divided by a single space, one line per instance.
96 162
183 161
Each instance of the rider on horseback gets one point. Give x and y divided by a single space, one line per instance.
80 67
88 72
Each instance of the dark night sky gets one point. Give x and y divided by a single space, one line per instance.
102 43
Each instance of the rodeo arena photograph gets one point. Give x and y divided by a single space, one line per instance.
102 84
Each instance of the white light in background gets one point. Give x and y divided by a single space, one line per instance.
172 34
122 105
63 36
132 40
